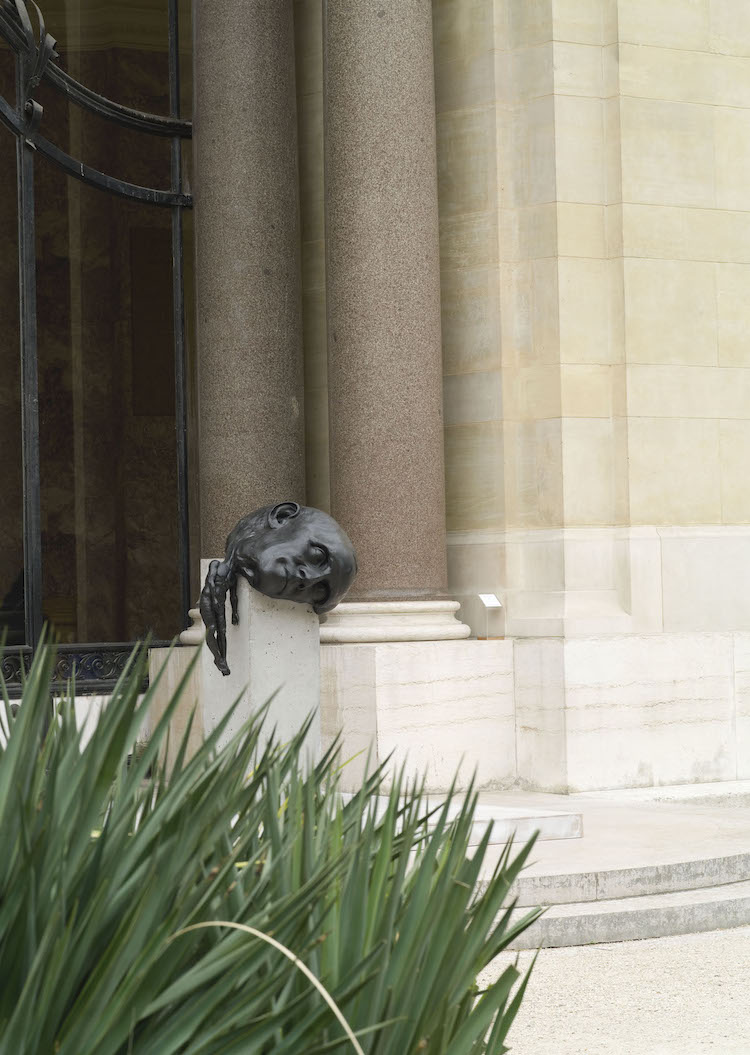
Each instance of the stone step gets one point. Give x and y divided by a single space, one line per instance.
631 918
514 822
734 794
508 822
606 884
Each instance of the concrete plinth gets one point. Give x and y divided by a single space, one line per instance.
438 706
274 654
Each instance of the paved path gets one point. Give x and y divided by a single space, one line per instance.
665 996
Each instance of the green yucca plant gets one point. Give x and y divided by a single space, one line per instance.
123 895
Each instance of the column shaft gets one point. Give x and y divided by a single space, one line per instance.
383 295
248 270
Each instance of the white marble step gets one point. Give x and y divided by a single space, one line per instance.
630 918
510 822
513 822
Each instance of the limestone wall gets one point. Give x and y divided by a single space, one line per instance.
595 214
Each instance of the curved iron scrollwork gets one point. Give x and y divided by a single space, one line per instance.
14 666
38 57
22 26
95 668
34 60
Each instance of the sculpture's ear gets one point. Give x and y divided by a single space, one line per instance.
282 512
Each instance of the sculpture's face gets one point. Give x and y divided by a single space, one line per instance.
303 556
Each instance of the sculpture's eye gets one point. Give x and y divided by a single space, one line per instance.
319 553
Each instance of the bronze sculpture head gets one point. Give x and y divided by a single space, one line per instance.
288 551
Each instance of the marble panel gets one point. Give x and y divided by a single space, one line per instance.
639 582
578 69
533 474
474 476
610 69
516 318
461 29
348 708
670 312
590 559
588 471
612 149
655 231
669 74
535 561
689 392
588 390
170 666
531 392
545 311
649 710
668 23
532 74
580 152
467 161
475 567
729 27
469 241
541 748
742 702
470 303
733 309
536 231
581 230
528 23
667 152
717 234
734 453
663 453
732 146
538 175
706 582
473 397
465 81
686 233
587 307
462 692
584 21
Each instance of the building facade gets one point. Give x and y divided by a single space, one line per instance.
472 275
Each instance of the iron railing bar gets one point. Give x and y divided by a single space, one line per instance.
32 511
126 116
85 173
178 306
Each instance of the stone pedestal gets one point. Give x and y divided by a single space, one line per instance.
274 655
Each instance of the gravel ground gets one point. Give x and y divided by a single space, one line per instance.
665 996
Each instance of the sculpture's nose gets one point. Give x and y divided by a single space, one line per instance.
308 576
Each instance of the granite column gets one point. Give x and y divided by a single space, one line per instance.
248 266
383 296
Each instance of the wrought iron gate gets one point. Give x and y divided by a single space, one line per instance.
95 665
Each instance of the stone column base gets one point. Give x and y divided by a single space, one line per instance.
437 706
356 622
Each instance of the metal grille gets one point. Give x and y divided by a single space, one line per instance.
96 666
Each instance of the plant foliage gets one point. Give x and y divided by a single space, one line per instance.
105 864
